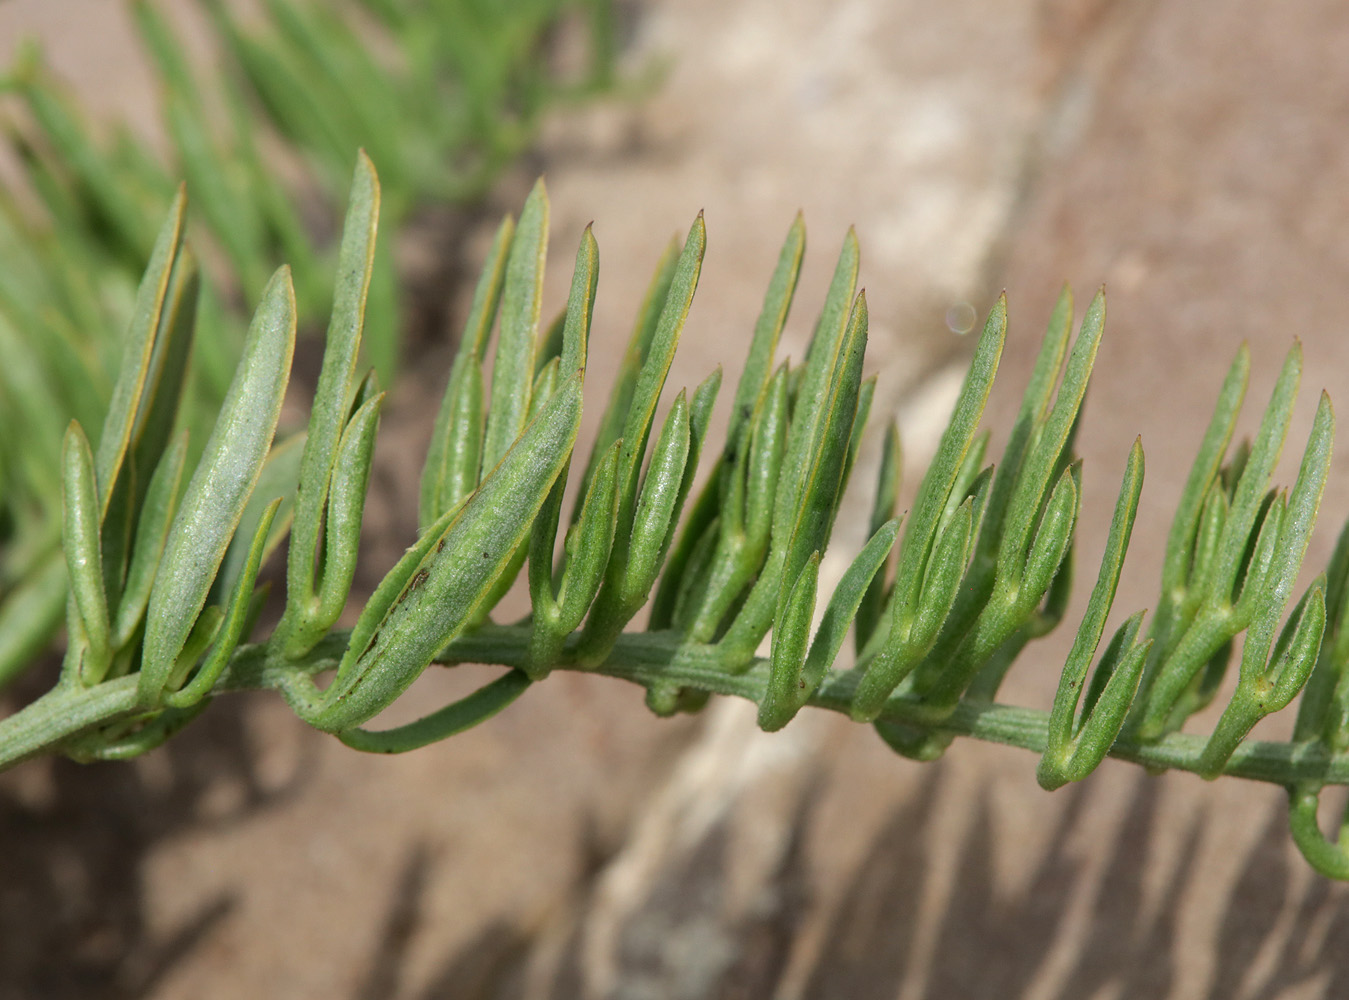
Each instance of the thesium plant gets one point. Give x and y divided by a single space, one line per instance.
163 561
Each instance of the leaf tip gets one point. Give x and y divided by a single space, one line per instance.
997 316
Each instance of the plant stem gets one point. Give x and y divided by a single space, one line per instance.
61 713
648 659
70 709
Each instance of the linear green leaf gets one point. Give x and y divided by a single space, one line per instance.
1032 414
580 303
1043 457
1218 435
1303 506
140 344
521 296
768 328
639 346
84 561
346 506
220 486
449 721
888 479
152 532
651 519
328 415
791 635
843 603
589 544
235 623
1062 720
1256 476
166 377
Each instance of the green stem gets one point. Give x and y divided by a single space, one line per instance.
71 709
61 713
652 659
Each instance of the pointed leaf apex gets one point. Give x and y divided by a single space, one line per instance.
280 284
365 167
536 202
697 235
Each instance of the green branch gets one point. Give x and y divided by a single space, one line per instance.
652 660
164 578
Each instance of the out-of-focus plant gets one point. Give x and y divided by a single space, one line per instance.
445 92
164 590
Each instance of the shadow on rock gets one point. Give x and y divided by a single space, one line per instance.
988 942
74 842
492 965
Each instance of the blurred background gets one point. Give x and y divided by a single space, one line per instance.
1191 157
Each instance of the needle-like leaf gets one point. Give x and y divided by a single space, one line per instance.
1075 746
513 371
84 559
454 459
305 619
129 391
220 487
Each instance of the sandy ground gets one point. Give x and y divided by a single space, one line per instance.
1190 156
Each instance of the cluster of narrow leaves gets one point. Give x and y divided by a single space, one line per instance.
164 591
444 92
